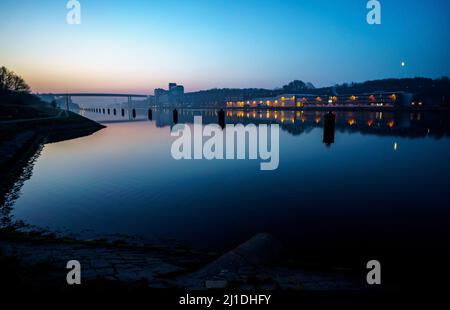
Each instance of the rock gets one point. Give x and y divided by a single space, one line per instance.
260 250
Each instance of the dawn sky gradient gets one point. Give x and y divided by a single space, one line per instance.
136 46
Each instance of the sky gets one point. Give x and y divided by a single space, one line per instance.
135 46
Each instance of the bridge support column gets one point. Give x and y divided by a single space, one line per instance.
129 107
67 102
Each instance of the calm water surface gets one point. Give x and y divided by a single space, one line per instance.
382 184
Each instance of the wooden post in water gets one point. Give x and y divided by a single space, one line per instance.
175 116
221 115
150 116
328 128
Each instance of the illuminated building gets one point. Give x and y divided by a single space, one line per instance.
378 99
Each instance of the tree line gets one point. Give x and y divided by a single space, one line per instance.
11 82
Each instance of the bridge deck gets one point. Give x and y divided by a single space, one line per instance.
99 95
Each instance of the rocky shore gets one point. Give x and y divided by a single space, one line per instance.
39 260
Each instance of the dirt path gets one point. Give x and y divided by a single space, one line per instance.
61 114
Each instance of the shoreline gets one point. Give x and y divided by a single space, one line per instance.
23 136
38 260
21 142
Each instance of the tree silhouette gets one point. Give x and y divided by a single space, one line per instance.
10 81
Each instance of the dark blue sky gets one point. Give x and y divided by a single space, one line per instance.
139 45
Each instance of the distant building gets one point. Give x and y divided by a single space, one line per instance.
171 97
286 100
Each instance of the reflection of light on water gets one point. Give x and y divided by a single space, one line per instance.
395 146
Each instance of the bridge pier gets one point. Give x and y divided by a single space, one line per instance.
67 102
129 108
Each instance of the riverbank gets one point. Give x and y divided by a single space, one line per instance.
17 139
38 260
21 140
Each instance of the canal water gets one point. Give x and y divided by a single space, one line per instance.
376 186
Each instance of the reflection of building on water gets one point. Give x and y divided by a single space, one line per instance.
398 123
303 100
389 123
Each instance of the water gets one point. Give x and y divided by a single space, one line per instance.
380 188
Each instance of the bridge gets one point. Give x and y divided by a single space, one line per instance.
68 96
